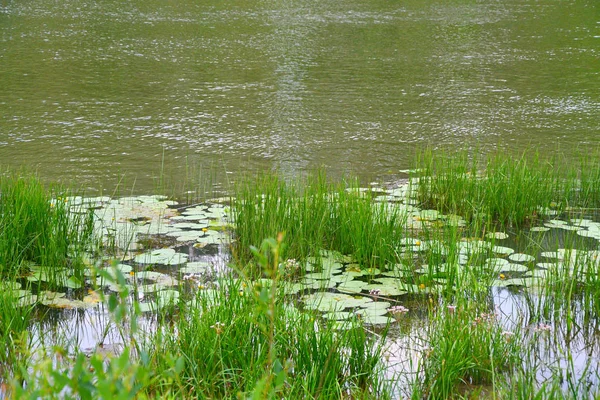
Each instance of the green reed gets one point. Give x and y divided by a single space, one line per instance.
38 228
465 347
501 188
316 214
245 339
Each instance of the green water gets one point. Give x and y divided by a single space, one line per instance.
95 91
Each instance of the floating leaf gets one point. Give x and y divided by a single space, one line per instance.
496 235
539 229
520 257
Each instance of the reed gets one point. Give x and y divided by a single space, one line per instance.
316 214
38 228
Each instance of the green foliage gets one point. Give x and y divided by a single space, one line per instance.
314 215
37 227
14 335
502 188
465 346
243 340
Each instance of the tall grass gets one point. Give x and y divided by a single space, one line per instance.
500 188
466 348
38 227
246 340
14 336
316 214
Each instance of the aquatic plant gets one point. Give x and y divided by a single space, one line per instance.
37 228
465 346
316 214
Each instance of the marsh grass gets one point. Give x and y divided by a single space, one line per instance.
15 340
506 189
38 228
242 338
316 214
466 347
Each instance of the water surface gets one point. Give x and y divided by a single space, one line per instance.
91 92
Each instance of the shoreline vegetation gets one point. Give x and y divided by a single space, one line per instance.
474 277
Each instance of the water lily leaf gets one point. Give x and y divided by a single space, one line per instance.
196 267
520 257
92 298
9 285
328 301
351 286
372 319
377 307
26 301
293 288
47 295
386 290
502 250
514 268
338 315
496 263
589 233
62 302
539 229
167 297
73 283
162 256
496 235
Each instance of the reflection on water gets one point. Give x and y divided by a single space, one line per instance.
90 92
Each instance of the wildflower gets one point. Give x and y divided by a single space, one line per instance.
132 273
508 335
204 229
397 310
422 286
218 327
418 243
541 327
502 276
451 308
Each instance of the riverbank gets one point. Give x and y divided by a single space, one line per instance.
472 278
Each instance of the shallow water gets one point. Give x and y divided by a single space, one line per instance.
95 92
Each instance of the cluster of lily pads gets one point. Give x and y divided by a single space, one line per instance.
332 284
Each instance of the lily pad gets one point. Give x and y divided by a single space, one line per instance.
502 250
521 257
162 256
496 235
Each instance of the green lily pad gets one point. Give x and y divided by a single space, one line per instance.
167 297
502 250
338 315
377 307
351 286
539 229
26 301
372 319
496 235
512 267
162 256
196 267
386 290
520 257
10 285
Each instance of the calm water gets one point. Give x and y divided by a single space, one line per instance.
92 91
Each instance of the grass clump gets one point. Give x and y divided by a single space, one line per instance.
465 348
316 214
503 189
38 228
244 339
